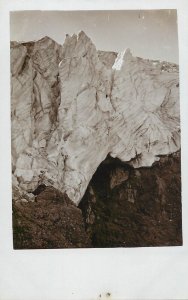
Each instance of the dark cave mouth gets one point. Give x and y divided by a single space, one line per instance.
126 207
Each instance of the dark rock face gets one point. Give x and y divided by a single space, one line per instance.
144 209
52 221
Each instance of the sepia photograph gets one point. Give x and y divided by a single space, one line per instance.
95 129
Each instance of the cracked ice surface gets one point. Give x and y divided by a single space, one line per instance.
73 105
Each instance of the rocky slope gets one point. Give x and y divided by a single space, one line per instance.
50 221
72 106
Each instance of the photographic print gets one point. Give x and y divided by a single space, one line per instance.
95 129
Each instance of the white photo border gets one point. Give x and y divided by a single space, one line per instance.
83 274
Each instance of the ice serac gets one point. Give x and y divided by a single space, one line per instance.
34 98
83 114
145 96
73 105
